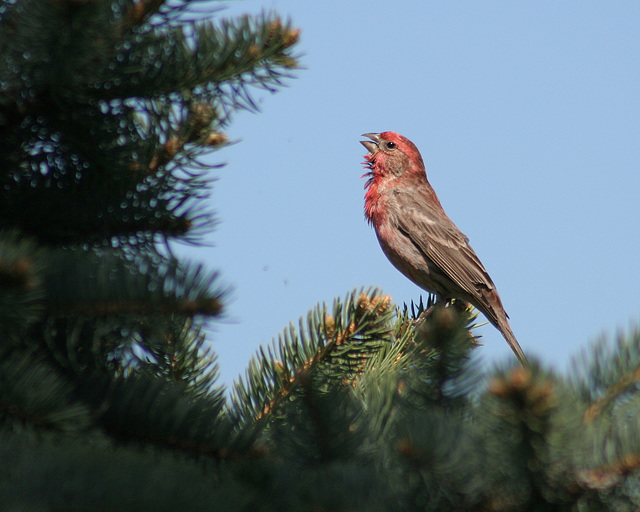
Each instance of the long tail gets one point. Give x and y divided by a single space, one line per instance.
491 305
504 327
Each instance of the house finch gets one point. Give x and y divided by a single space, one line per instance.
418 237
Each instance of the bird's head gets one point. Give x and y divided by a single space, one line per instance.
391 155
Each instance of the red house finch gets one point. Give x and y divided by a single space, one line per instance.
418 237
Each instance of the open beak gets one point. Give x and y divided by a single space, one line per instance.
372 147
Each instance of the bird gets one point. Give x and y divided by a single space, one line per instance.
418 237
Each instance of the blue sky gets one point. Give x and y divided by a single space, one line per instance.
527 115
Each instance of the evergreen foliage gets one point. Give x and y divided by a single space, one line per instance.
109 393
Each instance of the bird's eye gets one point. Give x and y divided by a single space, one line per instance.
391 145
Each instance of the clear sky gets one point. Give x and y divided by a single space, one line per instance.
527 115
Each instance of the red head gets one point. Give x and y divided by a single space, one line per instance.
393 162
391 155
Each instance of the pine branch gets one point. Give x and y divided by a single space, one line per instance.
246 51
34 395
208 307
628 383
435 369
105 284
170 149
609 374
183 358
440 456
60 473
19 267
122 118
139 12
21 293
608 476
336 346
141 409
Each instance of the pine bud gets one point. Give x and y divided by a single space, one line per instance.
291 37
215 139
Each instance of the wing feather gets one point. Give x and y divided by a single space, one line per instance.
441 242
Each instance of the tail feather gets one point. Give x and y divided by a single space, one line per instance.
490 304
505 329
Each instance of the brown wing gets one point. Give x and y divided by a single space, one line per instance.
443 244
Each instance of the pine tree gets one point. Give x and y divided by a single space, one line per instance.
109 397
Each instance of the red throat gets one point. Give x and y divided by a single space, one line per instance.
373 210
